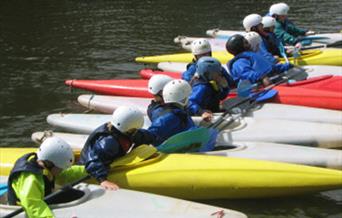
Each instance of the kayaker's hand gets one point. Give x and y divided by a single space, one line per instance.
109 185
310 32
298 45
266 81
207 116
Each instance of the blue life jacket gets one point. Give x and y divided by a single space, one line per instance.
101 149
27 163
249 65
170 121
153 110
205 97
265 52
190 71
273 44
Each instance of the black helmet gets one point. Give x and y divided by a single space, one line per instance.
237 44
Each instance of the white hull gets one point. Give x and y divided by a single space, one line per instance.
107 104
312 70
329 158
244 129
330 38
98 202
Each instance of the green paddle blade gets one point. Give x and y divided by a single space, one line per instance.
187 141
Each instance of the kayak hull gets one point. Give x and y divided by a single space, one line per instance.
192 176
107 104
328 158
308 57
244 129
144 203
324 83
323 38
313 70
286 95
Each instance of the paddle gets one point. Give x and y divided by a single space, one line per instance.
50 196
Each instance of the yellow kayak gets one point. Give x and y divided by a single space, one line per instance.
308 57
194 176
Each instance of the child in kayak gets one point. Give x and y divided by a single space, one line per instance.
113 140
172 118
199 48
268 47
155 87
209 86
285 30
250 65
34 175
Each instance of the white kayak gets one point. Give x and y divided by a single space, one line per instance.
321 157
326 38
243 129
311 70
215 44
219 43
107 104
98 202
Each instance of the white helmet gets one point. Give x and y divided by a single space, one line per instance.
200 46
251 21
177 91
127 118
268 21
279 9
57 151
254 40
157 83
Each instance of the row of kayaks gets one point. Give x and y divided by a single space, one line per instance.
260 154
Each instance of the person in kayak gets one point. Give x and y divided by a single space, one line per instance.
34 175
209 86
250 65
199 48
155 87
113 140
173 117
268 48
268 23
285 30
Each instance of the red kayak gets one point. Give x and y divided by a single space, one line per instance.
323 83
286 95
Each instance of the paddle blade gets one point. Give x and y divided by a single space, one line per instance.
264 96
244 88
187 141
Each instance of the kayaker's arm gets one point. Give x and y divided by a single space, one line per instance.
189 73
100 156
295 31
29 188
195 100
284 36
71 174
243 70
143 136
280 68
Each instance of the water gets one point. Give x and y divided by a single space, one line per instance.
42 43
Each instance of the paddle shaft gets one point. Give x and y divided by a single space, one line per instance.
16 212
244 100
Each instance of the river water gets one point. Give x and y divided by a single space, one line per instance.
42 43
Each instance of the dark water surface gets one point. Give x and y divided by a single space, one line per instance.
42 43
